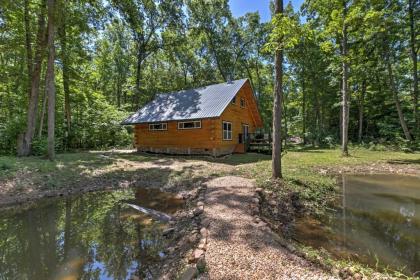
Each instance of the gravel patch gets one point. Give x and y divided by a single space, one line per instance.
241 248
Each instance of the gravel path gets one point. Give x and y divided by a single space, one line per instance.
237 247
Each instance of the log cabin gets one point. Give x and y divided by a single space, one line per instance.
213 120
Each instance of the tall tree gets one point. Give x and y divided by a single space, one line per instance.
344 83
394 92
277 104
414 49
147 20
390 42
211 21
50 80
65 59
25 140
28 44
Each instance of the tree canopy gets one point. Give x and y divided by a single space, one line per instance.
349 71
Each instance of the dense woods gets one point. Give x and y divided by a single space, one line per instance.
71 71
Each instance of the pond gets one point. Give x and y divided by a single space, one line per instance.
90 236
376 221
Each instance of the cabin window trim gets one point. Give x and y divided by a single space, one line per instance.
196 124
155 126
229 131
243 103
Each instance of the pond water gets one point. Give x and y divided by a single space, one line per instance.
90 236
376 221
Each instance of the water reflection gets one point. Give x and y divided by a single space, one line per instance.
376 221
93 236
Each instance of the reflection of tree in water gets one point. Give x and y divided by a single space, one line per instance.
148 249
28 244
396 233
85 237
115 247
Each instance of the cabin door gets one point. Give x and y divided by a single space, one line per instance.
245 136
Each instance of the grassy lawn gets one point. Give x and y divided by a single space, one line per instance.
305 170
310 172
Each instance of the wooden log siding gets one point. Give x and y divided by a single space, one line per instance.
209 138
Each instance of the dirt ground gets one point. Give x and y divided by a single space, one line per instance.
39 178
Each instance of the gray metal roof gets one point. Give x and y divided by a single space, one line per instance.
205 102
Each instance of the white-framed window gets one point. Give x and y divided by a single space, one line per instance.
227 130
158 126
242 102
234 100
189 125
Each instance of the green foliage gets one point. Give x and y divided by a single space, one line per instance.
9 133
120 54
286 33
39 146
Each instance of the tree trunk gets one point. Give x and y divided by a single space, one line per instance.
257 72
317 116
28 45
66 78
25 141
413 52
138 78
119 94
344 88
361 108
44 108
277 105
50 86
216 56
397 102
303 107
284 121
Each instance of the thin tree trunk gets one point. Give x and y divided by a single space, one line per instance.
344 89
361 108
413 53
140 56
44 108
25 141
303 107
397 102
257 72
28 45
118 93
50 86
277 105
317 116
284 120
248 72
66 78
216 57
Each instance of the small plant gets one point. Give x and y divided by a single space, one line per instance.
330 141
4 166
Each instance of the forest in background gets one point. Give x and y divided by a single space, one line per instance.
102 60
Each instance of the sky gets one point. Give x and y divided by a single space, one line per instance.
241 7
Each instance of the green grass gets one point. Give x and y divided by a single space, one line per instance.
298 165
301 170
67 168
